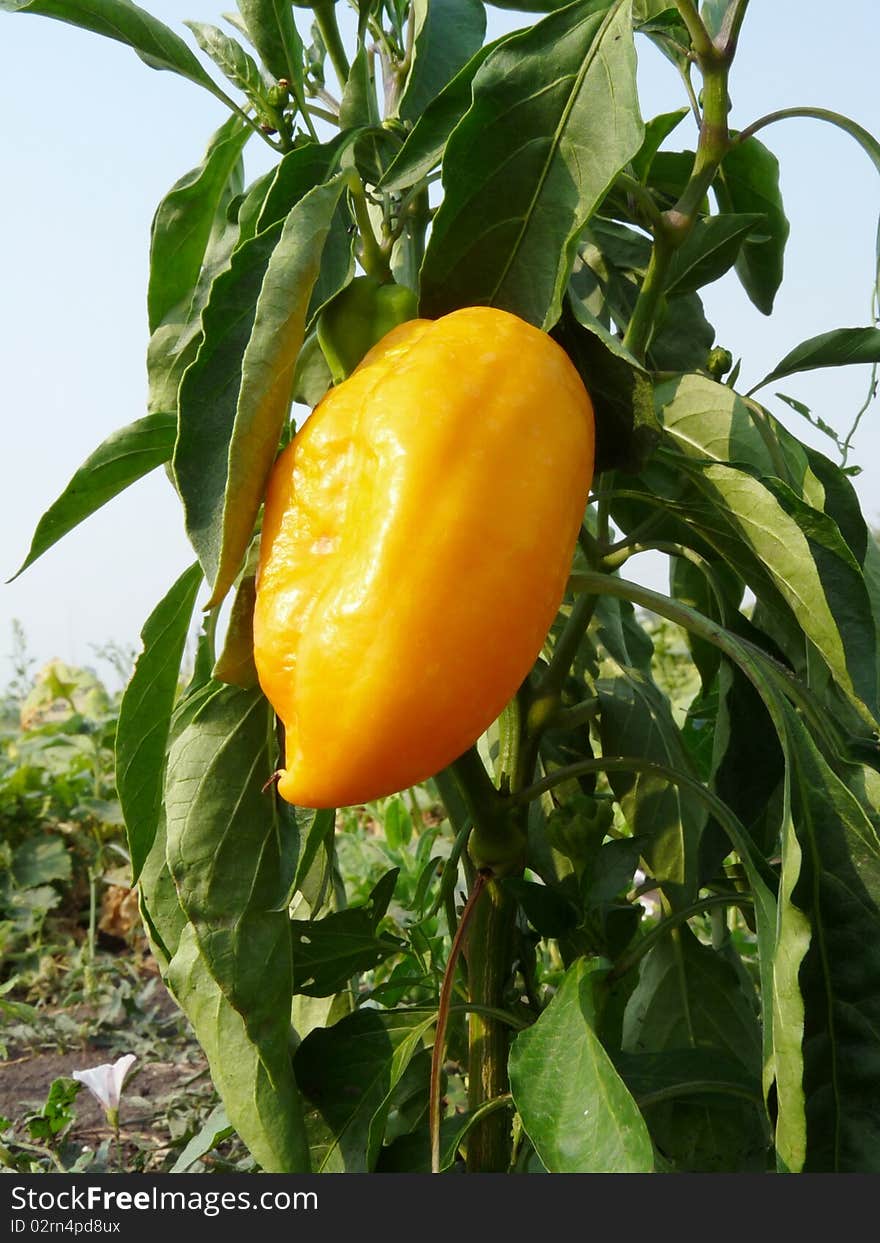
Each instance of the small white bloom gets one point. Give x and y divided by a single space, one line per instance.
105 1082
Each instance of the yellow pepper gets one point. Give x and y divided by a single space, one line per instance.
417 537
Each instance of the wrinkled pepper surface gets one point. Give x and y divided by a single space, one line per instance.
417 537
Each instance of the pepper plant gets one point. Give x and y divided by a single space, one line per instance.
673 960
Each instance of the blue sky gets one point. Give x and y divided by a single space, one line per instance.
91 139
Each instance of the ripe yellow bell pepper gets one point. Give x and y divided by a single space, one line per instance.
417 537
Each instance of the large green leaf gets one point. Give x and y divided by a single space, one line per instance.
710 420
156 45
574 1106
197 226
161 911
790 552
838 850
232 847
447 34
838 348
348 1073
689 998
145 716
748 181
773 539
258 1089
235 396
184 219
123 458
554 118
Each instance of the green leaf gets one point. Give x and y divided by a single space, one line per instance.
328 952
530 160
748 181
838 348
789 552
175 340
214 1130
528 6
690 998
710 420
235 396
161 912
574 1106
124 457
258 1089
230 58
547 910
39 860
272 30
447 34
154 43
145 716
424 145
315 830
668 1073
657 131
348 1073
252 1075
798 552
627 429
311 378
834 849
863 137
636 719
359 106
184 219
231 847
235 664
613 261
709 251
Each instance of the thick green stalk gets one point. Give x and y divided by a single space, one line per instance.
489 954
498 848
640 328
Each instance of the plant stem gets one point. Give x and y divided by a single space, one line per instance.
498 848
675 225
489 953
567 645
640 328
373 258
700 39
814 114
437 1053
325 18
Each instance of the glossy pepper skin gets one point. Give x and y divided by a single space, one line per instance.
417 537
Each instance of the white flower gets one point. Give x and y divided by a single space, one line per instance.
105 1083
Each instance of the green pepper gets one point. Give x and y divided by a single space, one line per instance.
357 318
